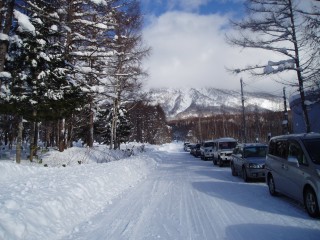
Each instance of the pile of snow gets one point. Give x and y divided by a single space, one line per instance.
38 202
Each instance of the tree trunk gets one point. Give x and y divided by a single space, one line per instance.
61 135
19 141
57 133
90 140
36 137
32 136
299 74
69 137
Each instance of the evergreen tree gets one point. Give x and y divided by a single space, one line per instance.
103 126
88 23
39 88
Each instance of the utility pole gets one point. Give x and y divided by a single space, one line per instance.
243 114
285 127
200 130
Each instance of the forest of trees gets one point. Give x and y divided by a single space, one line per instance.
71 70
259 127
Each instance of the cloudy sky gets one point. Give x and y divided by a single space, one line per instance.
188 44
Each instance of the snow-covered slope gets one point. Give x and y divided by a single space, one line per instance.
189 102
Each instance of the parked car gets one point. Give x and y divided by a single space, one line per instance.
293 169
191 146
222 150
206 150
195 150
248 161
185 146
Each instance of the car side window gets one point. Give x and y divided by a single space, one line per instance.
279 148
272 147
296 152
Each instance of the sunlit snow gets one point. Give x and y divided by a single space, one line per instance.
161 193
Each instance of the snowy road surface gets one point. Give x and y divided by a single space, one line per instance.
186 198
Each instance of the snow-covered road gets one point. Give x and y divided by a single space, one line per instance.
186 198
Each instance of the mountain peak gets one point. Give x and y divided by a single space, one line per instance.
192 102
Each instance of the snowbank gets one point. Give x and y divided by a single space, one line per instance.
38 202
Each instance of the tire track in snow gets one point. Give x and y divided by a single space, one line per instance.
186 198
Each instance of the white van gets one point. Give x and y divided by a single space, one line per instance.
222 150
293 169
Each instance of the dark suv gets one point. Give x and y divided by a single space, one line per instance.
293 168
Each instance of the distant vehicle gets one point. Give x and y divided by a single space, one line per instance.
248 161
191 146
206 150
293 169
222 150
185 146
195 150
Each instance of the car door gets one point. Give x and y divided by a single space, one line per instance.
295 170
278 163
237 155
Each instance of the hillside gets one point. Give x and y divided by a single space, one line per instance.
190 102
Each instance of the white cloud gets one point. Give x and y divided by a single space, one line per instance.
189 50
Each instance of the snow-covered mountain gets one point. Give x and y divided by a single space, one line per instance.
190 102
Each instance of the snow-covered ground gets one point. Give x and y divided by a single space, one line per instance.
161 193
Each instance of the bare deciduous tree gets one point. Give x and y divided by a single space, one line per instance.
125 70
277 26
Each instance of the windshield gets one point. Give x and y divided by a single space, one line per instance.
227 145
313 148
208 144
256 151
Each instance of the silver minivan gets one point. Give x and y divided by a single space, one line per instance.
293 169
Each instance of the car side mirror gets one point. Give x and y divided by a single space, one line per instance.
294 160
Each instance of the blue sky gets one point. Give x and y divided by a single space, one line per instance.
189 49
158 7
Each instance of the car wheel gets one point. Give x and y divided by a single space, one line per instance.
272 186
245 175
233 170
214 161
220 162
311 203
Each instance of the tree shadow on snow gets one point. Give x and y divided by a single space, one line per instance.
268 231
255 196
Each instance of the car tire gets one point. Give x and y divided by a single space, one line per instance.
233 170
214 161
220 162
311 203
272 186
245 175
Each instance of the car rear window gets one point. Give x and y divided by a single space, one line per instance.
209 144
227 145
256 151
313 148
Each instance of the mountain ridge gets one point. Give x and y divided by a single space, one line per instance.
192 102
